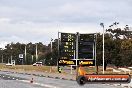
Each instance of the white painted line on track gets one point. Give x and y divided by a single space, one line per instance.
45 85
40 84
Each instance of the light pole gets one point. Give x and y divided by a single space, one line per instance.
51 48
11 55
102 25
25 53
51 55
36 52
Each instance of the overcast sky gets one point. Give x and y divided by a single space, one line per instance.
39 20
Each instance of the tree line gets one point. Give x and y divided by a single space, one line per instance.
118 49
118 46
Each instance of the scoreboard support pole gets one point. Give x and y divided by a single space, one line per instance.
77 35
96 53
71 69
58 51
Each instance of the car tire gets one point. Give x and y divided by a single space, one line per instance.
81 80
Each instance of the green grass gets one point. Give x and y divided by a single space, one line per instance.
21 68
29 68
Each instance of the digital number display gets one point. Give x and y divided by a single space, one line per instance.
68 37
87 37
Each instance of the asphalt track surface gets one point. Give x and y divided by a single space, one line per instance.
16 80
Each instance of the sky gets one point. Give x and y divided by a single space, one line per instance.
35 21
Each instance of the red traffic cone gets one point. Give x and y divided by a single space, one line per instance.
31 80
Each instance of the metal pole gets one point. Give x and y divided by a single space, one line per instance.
102 24
51 45
36 52
77 35
32 58
95 49
58 50
11 55
51 55
103 45
77 38
103 49
96 67
51 48
25 53
71 69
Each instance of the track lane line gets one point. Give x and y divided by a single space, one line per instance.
40 84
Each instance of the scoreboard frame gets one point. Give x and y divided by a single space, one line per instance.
70 39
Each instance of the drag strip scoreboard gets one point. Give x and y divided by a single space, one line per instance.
68 44
86 46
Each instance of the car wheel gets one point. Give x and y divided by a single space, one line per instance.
81 80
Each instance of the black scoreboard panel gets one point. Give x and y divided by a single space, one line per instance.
70 55
85 46
85 55
67 49
87 37
67 45
85 50
68 37
83 43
